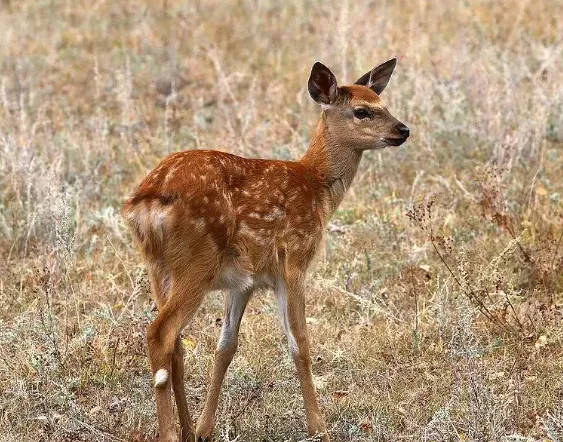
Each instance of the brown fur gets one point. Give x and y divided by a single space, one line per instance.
361 93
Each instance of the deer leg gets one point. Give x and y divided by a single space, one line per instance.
186 424
162 335
235 304
291 300
160 285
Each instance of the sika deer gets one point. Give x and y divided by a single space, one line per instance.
208 220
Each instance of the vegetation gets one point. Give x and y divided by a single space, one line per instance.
436 308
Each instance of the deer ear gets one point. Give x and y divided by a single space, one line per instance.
322 85
379 76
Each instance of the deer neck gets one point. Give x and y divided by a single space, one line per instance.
334 162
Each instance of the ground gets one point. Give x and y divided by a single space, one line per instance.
435 309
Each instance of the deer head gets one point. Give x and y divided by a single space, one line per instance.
355 116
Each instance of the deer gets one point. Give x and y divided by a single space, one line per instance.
206 220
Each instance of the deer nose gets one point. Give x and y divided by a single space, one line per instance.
403 130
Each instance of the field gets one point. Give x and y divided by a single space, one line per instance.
436 307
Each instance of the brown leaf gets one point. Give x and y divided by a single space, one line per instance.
340 394
366 426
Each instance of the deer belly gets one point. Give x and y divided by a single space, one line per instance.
234 277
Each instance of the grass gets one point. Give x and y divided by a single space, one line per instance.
436 307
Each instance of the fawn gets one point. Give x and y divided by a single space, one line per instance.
207 220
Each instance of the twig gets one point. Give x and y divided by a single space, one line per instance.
113 358
470 294
100 435
514 312
556 250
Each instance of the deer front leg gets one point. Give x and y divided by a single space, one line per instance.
235 304
291 299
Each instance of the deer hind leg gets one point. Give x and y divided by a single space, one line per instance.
291 299
160 285
184 297
186 424
235 304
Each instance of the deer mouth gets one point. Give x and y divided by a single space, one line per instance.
395 141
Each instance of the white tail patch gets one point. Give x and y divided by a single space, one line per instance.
160 377
149 219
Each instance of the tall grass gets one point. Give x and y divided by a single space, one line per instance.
438 326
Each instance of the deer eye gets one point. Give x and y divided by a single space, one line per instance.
361 113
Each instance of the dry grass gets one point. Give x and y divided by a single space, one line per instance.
444 325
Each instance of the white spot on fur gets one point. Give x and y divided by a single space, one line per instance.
200 223
170 174
161 377
276 213
245 230
169 177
